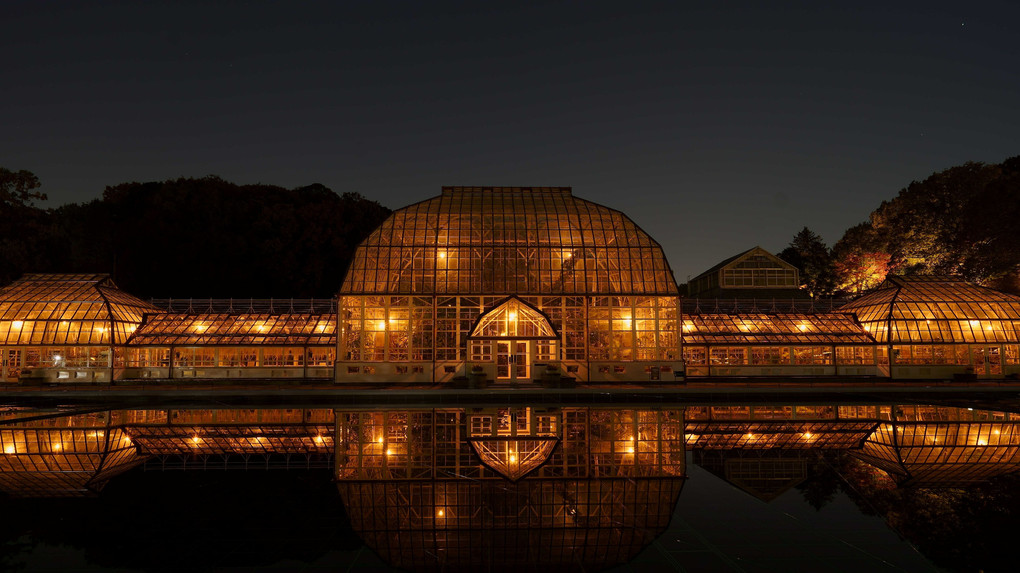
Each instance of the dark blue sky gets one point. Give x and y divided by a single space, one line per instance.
715 126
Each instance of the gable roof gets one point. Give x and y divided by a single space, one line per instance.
741 256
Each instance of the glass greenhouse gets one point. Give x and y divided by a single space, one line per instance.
65 326
934 327
510 285
508 282
742 344
224 345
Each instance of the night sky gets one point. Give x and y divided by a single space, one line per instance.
715 125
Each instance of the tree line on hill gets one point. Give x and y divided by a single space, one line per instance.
207 237
963 221
201 237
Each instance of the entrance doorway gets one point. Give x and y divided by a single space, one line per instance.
987 360
513 360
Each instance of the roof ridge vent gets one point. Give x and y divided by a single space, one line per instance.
457 189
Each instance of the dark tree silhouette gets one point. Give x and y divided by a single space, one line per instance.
197 237
807 252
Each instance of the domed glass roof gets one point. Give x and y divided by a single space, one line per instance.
509 240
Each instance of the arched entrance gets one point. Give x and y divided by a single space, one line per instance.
511 340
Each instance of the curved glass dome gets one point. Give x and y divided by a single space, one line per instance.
936 309
503 240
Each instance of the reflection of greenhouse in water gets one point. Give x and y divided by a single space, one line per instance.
508 487
505 488
427 489
509 285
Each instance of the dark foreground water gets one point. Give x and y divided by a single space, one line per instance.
803 501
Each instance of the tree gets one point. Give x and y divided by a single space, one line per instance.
861 271
807 252
24 225
18 189
962 220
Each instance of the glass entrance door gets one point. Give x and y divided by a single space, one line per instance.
513 360
987 360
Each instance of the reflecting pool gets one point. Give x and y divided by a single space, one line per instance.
697 487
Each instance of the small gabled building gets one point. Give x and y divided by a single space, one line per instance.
755 273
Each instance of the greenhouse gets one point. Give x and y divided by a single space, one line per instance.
65 327
221 345
941 327
508 282
788 344
510 286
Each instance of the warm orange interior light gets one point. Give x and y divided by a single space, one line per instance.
18 323
512 315
200 328
442 254
318 439
379 440
440 513
56 446
389 452
975 323
195 439
9 449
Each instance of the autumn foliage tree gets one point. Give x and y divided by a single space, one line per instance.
960 221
